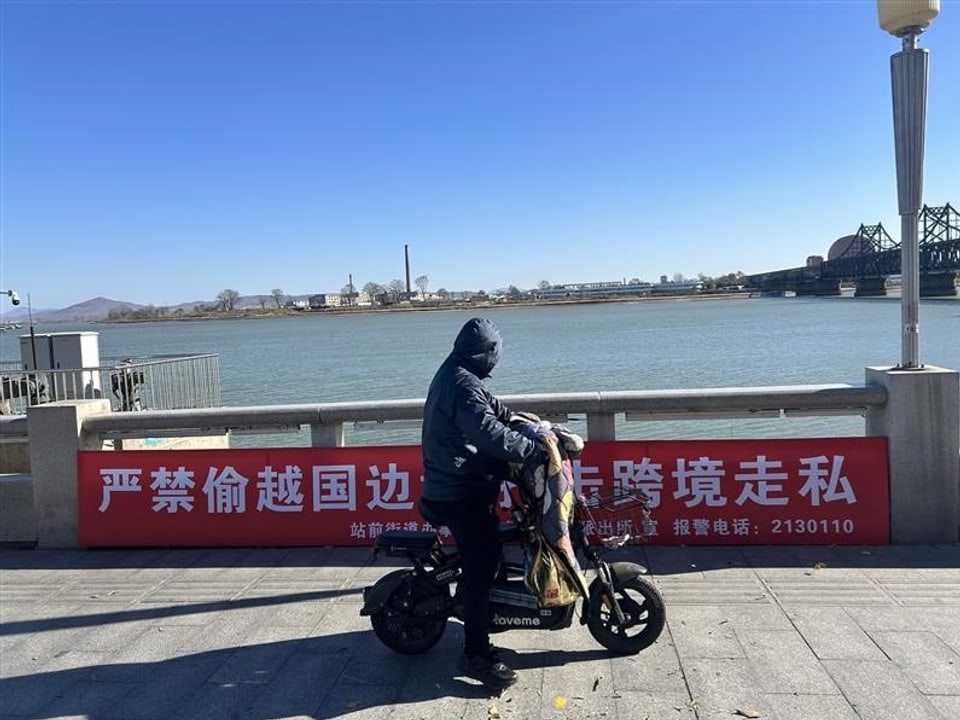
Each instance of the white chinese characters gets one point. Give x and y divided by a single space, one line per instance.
761 481
224 489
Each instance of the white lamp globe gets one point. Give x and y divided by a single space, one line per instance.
899 16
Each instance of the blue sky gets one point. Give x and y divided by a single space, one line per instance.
162 152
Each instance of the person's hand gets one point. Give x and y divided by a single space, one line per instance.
544 429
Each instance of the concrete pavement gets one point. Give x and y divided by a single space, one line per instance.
262 634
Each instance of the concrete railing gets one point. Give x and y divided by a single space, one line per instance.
326 420
917 410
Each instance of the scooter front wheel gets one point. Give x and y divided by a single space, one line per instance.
641 604
398 623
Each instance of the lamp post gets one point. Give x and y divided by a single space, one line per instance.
908 72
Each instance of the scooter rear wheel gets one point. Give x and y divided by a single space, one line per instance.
400 628
642 607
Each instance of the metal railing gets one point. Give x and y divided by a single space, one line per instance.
163 382
326 421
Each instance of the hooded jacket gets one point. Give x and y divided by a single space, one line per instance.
466 440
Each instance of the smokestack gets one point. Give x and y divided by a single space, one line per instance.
406 260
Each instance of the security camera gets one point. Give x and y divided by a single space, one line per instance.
14 298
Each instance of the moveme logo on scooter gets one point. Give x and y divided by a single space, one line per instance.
509 621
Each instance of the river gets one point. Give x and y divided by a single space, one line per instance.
648 344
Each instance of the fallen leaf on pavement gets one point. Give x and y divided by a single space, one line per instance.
559 702
493 712
747 713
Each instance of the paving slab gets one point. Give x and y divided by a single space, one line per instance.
833 634
790 633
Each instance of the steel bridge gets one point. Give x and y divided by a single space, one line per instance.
872 256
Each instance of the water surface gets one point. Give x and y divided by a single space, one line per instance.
655 344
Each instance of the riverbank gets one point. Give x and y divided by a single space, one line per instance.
413 306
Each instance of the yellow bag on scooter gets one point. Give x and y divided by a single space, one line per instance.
548 576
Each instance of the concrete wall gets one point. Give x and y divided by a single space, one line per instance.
42 506
921 419
15 456
18 522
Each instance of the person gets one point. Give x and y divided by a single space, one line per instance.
467 447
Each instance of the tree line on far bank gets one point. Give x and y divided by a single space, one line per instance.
228 301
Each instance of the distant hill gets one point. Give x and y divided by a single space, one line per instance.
99 308
94 309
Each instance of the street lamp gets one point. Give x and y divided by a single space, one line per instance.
908 72
14 298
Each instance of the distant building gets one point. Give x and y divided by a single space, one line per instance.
814 261
321 301
325 300
612 289
849 246
678 288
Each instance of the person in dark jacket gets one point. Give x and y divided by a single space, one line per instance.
467 447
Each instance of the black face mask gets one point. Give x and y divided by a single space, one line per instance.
487 361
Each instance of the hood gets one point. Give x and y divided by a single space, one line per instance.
478 346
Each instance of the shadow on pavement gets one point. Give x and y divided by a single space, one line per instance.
166 611
15 558
317 677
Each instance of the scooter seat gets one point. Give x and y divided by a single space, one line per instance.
508 530
401 542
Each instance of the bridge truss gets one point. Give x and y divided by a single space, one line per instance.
874 255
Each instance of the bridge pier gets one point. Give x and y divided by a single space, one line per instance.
871 287
818 288
938 284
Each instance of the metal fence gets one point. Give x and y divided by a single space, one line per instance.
159 382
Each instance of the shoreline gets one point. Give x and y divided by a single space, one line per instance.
256 314
266 314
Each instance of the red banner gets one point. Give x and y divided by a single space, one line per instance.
808 491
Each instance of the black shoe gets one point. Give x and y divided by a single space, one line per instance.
488 670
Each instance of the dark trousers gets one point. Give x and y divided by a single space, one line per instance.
474 527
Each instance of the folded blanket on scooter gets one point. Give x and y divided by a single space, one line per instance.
550 485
